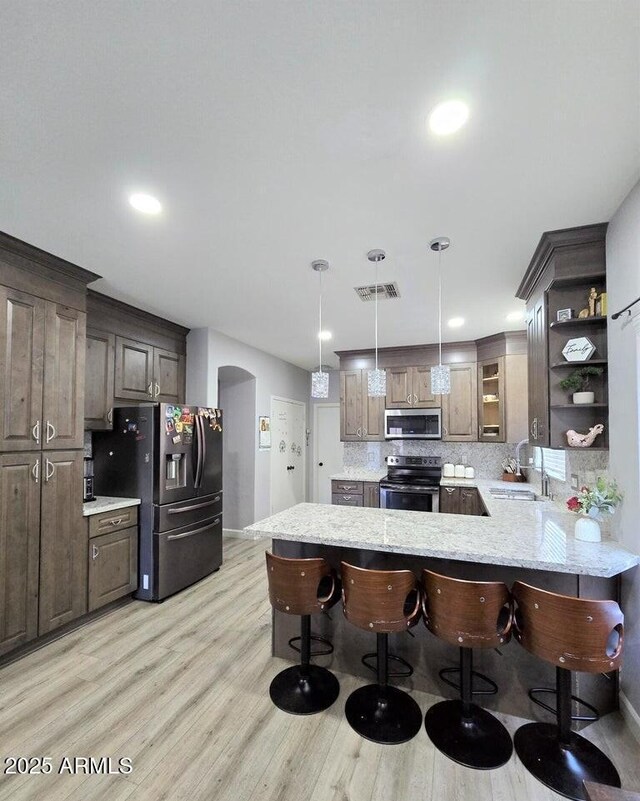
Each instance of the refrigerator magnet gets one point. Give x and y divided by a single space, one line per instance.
187 428
169 411
170 428
178 424
177 439
177 412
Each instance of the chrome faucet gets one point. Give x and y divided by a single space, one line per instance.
518 449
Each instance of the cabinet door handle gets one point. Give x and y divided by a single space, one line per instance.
157 390
364 432
150 390
47 474
35 432
346 497
445 431
51 431
94 552
409 399
36 470
116 521
415 399
450 490
531 429
110 416
359 432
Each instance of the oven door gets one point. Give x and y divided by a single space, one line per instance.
412 423
412 499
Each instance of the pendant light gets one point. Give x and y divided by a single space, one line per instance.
320 379
440 375
376 379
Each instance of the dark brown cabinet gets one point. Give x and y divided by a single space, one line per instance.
134 370
19 548
99 380
63 541
410 388
361 417
355 493
461 501
538 371
371 494
460 407
168 376
22 325
113 566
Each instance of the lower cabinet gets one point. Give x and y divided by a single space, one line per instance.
355 493
113 566
63 541
461 501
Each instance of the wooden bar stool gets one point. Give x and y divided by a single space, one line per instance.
469 614
572 634
381 601
303 587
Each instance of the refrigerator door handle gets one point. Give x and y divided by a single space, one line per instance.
195 531
200 445
181 509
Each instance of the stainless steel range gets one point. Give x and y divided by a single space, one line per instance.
413 483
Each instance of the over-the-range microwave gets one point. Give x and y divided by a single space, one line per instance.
413 424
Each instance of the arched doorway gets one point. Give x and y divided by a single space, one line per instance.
237 399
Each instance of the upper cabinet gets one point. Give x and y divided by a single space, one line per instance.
460 407
410 388
132 356
567 267
361 417
502 387
42 348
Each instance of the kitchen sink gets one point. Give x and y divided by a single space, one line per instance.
512 494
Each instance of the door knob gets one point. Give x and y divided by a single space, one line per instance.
320 464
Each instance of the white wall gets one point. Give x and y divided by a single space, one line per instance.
207 351
623 286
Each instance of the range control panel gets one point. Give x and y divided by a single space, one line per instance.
414 461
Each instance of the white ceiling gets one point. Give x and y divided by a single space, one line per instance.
275 133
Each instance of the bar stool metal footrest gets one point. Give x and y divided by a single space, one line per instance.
391 674
474 675
552 691
314 638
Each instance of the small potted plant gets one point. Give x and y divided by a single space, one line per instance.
591 504
578 383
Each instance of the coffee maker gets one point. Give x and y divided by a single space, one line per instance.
88 480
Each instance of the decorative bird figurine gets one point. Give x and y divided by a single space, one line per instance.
576 440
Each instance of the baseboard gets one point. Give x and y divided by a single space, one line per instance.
239 534
631 717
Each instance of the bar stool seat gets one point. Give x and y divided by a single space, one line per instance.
468 614
303 587
572 634
381 601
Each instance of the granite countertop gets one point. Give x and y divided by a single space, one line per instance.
528 534
360 474
104 504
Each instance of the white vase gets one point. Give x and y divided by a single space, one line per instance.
583 397
587 529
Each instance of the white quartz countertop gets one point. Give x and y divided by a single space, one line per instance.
360 474
103 503
528 534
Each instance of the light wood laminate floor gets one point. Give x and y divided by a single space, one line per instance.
181 688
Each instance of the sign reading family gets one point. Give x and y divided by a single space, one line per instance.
580 349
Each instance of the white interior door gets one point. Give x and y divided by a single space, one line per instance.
327 449
288 453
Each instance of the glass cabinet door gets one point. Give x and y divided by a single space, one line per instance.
491 409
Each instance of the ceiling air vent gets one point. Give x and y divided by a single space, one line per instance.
383 291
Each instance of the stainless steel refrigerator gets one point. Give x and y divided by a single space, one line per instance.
171 458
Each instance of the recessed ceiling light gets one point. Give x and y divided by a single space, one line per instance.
147 204
515 316
448 117
324 335
456 322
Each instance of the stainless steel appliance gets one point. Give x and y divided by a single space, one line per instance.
412 423
87 487
412 483
171 458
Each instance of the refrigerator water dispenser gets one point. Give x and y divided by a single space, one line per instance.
175 474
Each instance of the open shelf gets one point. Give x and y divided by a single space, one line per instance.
492 377
578 321
576 365
579 406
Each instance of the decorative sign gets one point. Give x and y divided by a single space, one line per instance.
264 433
580 349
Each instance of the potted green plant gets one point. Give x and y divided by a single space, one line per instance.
577 382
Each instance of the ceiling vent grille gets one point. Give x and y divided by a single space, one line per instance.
383 291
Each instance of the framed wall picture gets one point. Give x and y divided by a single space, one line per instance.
564 314
264 433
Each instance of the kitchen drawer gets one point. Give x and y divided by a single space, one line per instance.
113 566
346 499
351 487
113 521
186 513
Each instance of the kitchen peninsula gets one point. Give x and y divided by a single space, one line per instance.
531 541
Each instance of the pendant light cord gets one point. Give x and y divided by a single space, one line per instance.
376 315
320 325
440 305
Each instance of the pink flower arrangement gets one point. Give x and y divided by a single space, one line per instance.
596 501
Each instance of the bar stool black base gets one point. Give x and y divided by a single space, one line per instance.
304 690
383 714
480 741
563 768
